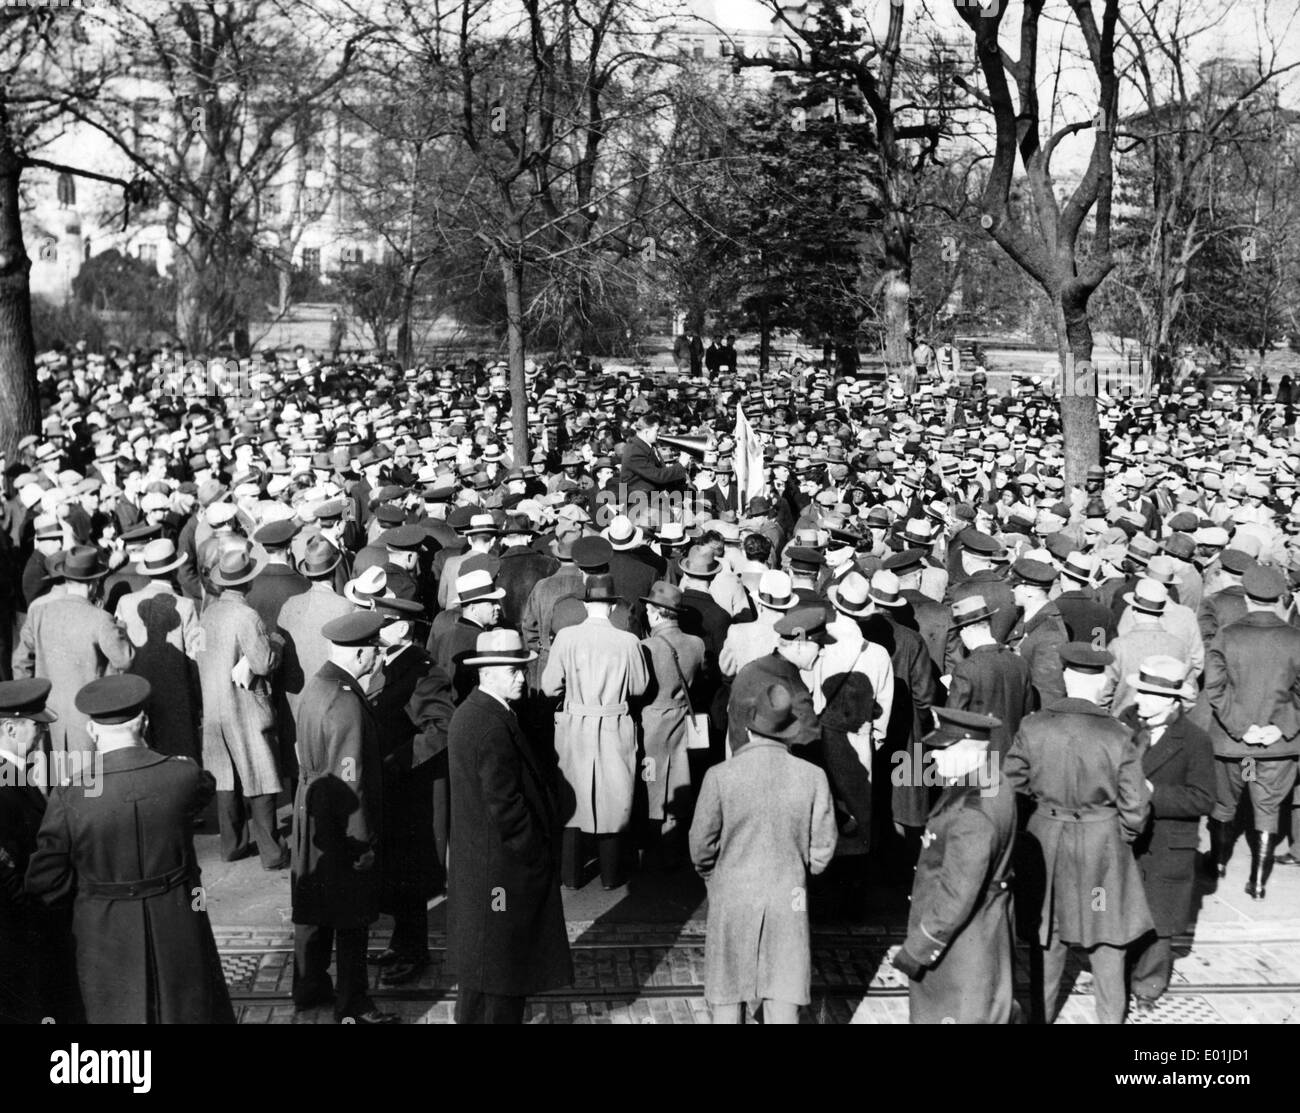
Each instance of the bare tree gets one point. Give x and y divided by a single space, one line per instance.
1048 241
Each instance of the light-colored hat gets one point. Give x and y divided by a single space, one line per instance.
1149 596
159 558
622 534
775 591
477 586
500 647
367 587
851 596
1163 676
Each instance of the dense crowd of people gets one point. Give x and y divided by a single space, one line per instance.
902 641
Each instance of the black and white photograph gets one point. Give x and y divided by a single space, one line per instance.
675 512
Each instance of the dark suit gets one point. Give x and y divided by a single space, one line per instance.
522 568
506 935
1084 616
644 472
994 680
997 593
271 588
1180 768
753 681
1039 642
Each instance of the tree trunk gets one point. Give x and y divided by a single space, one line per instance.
1079 423
512 273
283 280
897 289
191 316
19 403
405 342
764 340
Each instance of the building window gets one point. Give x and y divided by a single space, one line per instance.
271 203
67 191
351 255
313 203
311 260
725 48
148 253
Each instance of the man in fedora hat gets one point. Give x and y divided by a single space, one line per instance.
303 616
539 612
522 567
480 533
1083 773
1252 677
1178 764
237 656
70 641
801 634
643 473
36 977
764 823
991 679
703 616
163 626
747 641
480 609
596 669
412 701
957 954
1086 618
337 817
677 661
1144 635
278 581
122 850
506 935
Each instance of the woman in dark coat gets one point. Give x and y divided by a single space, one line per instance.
1178 764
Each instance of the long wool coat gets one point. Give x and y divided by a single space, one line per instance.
239 725
148 958
665 767
959 923
70 642
164 629
505 920
763 822
1076 875
337 807
598 668
1180 768
305 647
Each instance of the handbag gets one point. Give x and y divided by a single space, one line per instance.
697 722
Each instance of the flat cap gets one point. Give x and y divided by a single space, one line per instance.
358 628
803 624
404 537
804 557
25 699
1037 572
976 541
956 726
1264 585
113 700
276 534
1082 657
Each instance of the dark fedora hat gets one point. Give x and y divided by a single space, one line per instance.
236 567
774 715
320 559
82 563
970 610
665 595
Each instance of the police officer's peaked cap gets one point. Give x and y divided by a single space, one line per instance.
112 700
956 725
356 629
1082 657
25 699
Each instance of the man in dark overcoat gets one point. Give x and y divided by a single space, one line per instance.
1178 764
118 843
1076 876
1252 693
643 472
36 974
802 633
958 947
413 705
337 812
506 936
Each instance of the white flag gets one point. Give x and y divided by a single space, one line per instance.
751 475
